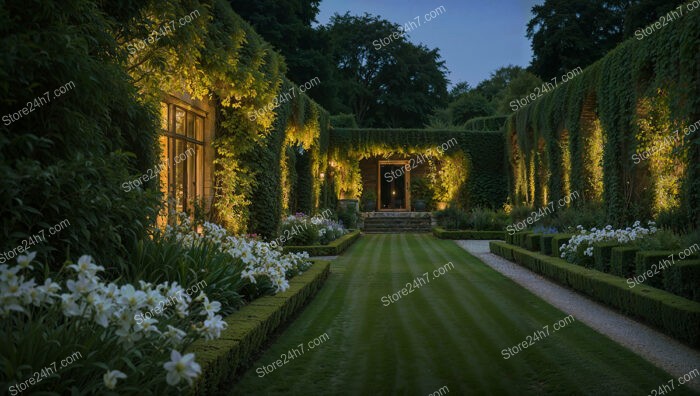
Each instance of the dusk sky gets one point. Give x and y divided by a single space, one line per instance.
475 37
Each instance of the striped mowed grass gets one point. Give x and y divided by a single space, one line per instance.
449 332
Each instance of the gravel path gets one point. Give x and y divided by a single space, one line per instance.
659 349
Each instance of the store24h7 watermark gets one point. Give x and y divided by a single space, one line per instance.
40 375
291 355
415 284
25 245
37 102
536 336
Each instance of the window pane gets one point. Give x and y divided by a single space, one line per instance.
199 127
180 176
200 171
191 174
163 116
179 121
190 125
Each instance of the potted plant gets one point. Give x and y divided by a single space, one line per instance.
369 201
421 194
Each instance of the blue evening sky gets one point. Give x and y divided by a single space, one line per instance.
475 37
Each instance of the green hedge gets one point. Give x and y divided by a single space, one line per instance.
646 259
622 261
332 249
441 233
532 242
558 240
602 255
250 328
546 244
683 279
492 123
486 184
519 238
617 98
673 315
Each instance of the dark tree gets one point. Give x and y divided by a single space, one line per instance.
383 79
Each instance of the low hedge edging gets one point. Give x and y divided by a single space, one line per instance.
442 233
249 328
673 315
334 248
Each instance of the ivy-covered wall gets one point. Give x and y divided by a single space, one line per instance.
610 132
263 119
480 153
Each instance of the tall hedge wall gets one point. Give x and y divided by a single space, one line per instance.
492 123
63 158
593 133
486 178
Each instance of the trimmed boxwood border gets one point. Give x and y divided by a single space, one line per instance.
673 315
442 233
249 328
332 249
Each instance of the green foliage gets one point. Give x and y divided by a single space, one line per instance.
396 85
468 106
474 235
69 156
602 254
683 279
299 232
343 121
493 123
622 261
479 219
334 248
652 260
249 329
675 316
348 216
477 155
614 105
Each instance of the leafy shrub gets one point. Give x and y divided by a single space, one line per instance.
452 219
301 230
348 217
660 240
68 158
579 250
567 219
519 213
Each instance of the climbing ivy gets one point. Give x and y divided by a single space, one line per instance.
586 132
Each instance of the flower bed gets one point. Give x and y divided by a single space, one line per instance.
302 230
131 325
332 249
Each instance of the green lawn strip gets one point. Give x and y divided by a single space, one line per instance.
448 332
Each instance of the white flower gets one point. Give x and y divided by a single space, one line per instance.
181 367
210 308
24 260
213 327
85 266
110 378
174 336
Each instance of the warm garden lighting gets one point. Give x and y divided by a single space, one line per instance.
219 197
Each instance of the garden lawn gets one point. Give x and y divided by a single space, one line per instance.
449 332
